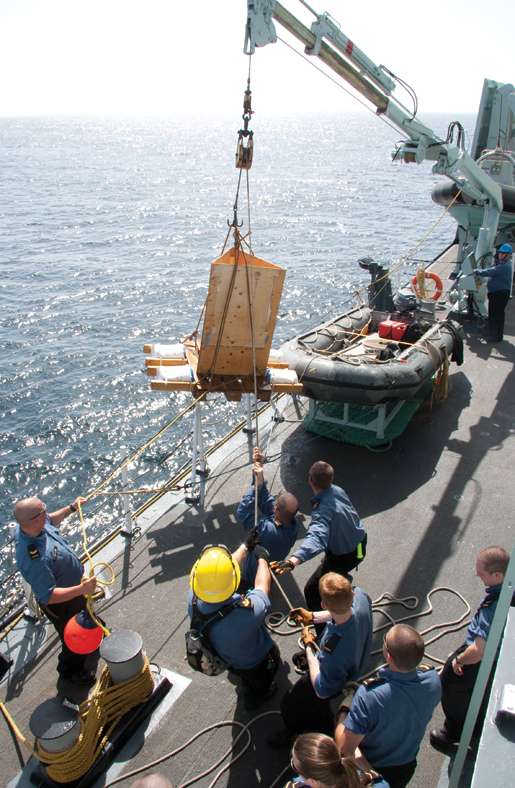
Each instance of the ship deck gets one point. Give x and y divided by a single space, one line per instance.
430 502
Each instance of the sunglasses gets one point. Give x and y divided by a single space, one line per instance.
38 514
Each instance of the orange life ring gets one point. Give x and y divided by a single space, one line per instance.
436 279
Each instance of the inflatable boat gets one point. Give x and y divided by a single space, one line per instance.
368 357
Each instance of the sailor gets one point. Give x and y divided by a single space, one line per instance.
341 656
240 638
390 712
335 529
498 288
277 527
316 759
55 575
460 671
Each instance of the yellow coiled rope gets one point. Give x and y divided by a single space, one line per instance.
99 715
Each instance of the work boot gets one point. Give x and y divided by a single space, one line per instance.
300 662
441 742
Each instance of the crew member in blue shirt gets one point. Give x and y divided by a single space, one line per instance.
240 638
55 574
389 713
335 529
277 527
341 656
460 671
500 278
319 765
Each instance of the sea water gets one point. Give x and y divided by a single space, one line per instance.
108 227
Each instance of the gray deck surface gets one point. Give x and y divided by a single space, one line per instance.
444 490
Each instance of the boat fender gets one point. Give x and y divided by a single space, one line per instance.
281 376
159 350
435 278
182 373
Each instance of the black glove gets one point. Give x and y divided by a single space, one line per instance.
252 539
261 552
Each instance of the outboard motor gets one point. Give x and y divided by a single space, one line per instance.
405 300
380 289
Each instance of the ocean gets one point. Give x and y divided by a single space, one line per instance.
108 228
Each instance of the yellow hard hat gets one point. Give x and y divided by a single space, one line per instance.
215 575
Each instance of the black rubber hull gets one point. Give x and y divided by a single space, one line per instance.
446 193
331 380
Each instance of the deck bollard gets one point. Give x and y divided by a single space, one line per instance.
123 653
56 727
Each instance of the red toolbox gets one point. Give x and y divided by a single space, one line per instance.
385 328
398 329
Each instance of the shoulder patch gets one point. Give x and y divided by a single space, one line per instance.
331 643
425 667
373 681
33 552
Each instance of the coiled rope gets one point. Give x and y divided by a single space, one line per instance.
275 620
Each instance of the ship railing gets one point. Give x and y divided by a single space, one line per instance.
118 511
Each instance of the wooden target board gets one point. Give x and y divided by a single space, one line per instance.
229 294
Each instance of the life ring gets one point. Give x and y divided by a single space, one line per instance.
436 279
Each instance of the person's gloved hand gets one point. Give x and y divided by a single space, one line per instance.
261 552
258 456
308 637
281 567
252 539
301 616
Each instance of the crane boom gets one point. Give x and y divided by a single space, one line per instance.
375 84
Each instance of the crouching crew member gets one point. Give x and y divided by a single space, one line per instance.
460 671
54 573
240 638
389 713
342 655
335 529
277 528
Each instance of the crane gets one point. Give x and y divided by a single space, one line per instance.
475 185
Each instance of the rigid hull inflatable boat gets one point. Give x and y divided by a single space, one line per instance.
368 357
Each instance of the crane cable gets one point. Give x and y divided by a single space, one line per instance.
243 160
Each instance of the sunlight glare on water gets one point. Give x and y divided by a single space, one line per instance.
108 230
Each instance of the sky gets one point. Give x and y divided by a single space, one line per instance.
170 57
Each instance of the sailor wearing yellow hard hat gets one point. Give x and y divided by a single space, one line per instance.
236 628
